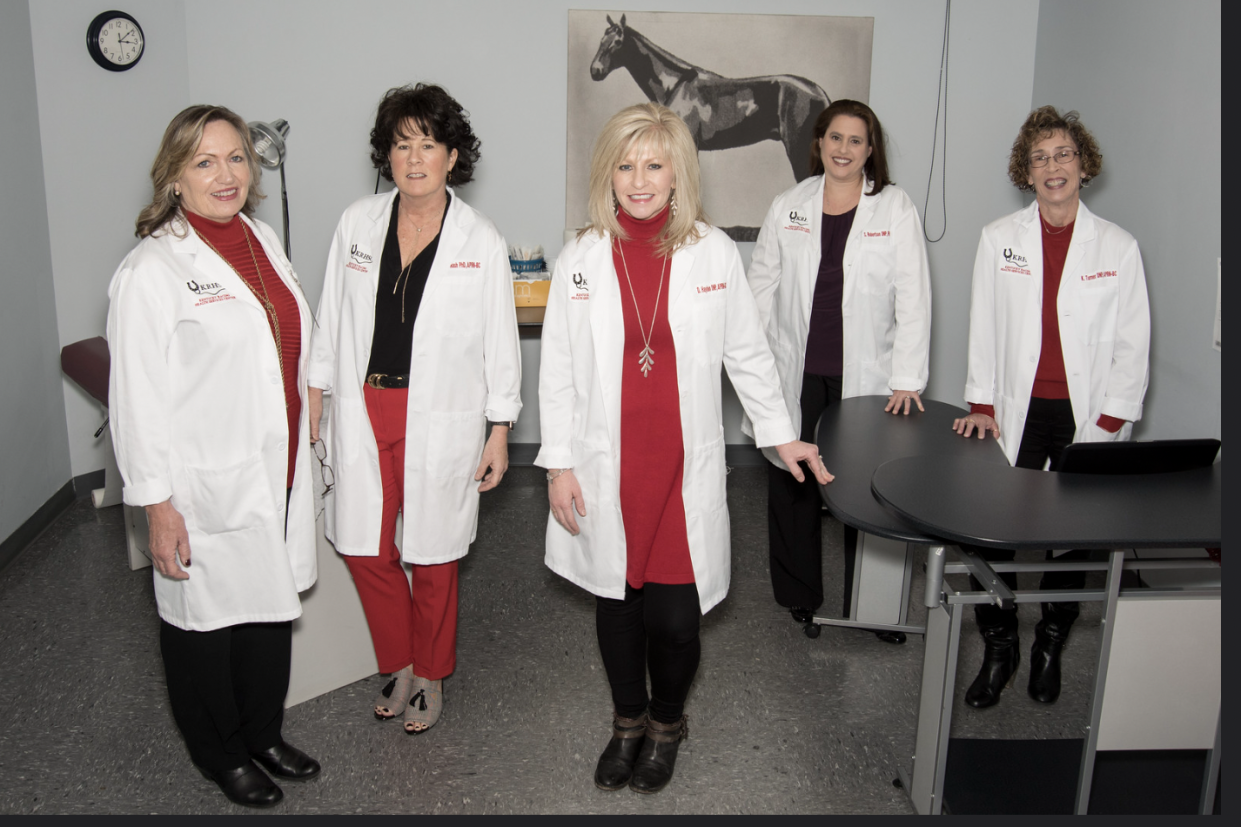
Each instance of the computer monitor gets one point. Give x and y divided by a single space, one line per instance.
1158 457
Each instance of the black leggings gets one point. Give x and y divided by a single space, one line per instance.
654 628
1049 430
795 513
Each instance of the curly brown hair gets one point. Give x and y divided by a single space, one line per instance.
1043 123
437 114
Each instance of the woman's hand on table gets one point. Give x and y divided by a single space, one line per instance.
494 464
168 540
966 425
563 493
794 452
899 398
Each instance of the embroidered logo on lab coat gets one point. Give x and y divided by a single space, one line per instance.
359 260
1014 262
582 289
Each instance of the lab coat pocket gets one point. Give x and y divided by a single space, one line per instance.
458 305
232 498
1097 307
454 444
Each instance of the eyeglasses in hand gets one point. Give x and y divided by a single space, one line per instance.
325 470
1062 157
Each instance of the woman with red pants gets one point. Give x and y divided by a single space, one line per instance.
417 342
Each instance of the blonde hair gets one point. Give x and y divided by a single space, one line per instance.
647 124
176 150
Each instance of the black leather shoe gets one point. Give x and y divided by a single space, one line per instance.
615 766
246 785
891 637
1049 640
653 769
801 615
287 761
999 665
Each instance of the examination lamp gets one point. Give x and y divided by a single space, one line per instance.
269 143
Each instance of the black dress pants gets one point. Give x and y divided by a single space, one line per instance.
795 513
655 629
227 689
1049 429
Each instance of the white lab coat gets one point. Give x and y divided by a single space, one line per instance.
465 369
1104 324
714 324
886 304
196 402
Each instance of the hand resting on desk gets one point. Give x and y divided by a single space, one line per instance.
966 425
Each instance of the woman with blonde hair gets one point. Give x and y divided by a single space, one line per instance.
646 305
209 334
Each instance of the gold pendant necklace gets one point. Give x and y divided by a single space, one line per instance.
646 359
264 299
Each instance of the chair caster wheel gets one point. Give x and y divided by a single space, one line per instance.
891 637
896 782
812 630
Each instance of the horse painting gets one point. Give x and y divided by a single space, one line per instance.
722 113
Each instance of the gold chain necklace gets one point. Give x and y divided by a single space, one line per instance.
646 359
265 299
1047 227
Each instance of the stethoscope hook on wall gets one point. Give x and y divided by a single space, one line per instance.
269 144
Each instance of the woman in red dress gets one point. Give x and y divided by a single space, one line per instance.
646 305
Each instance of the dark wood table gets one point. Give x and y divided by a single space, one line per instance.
854 438
963 500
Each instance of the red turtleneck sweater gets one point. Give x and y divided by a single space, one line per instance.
1050 380
229 240
652 448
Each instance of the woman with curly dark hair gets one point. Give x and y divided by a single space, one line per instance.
1059 353
417 343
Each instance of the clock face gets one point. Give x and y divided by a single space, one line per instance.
115 41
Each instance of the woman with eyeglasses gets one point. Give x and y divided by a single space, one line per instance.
1058 353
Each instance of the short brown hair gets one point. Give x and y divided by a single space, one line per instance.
1043 123
437 114
876 166
176 150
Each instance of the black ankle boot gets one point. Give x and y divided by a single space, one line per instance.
653 769
1049 638
615 765
999 664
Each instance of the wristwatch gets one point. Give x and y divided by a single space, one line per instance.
510 425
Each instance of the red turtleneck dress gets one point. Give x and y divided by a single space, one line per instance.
652 449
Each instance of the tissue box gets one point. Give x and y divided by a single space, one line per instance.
530 292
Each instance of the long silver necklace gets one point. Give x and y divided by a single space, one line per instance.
646 359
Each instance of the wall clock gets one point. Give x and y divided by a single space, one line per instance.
114 40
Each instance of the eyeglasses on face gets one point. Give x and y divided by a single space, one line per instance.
1062 157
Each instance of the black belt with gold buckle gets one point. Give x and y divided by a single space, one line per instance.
385 380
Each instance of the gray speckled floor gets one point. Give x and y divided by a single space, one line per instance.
779 723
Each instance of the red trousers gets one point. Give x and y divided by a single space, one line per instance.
413 619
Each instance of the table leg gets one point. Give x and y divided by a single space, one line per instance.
939 670
935 558
1116 564
1211 777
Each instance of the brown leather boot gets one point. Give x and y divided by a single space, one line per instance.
658 756
615 765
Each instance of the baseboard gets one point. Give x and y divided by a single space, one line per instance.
523 453
33 527
84 484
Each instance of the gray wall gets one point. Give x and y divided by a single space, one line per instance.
34 446
322 66
100 130
1154 106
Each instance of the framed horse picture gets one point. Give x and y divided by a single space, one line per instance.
748 86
